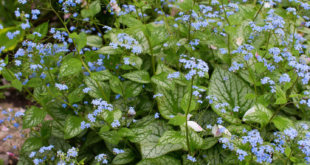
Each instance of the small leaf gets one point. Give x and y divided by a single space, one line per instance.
287 151
258 114
186 100
76 95
31 144
141 76
280 101
73 127
162 81
33 117
46 129
116 85
260 68
98 89
209 142
34 82
135 61
249 96
110 50
110 136
92 10
159 161
177 120
94 41
70 67
282 123
132 89
101 75
124 158
104 129
42 29
125 132
17 84
171 137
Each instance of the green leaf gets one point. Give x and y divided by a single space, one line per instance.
31 144
124 158
34 82
209 142
231 30
152 150
282 123
249 96
185 5
258 114
158 35
104 129
186 100
162 81
110 136
215 155
125 132
109 116
42 29
101 75
76 95
195 141
280 100
132 89
91 138
17 84
140 76
169 103
110 50
33 117
140 133
287 151
160 161
94 41
231 91
177 120
46 129
116 85
92 10
135 61
260 68
130 21
73 127
56 110
70 67
10 44
98 89
171 137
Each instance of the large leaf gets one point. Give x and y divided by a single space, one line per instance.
258 114
170 102
124 158
140 76
171 137
79 40
209 142
33 117
70 67
282 123
160 161
215 155
34 82
32 143
116 85
158 35
73 127
98 89
231 91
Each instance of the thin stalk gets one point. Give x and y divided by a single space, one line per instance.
258 11
190 101
273 116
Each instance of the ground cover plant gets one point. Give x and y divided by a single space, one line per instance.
161 81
